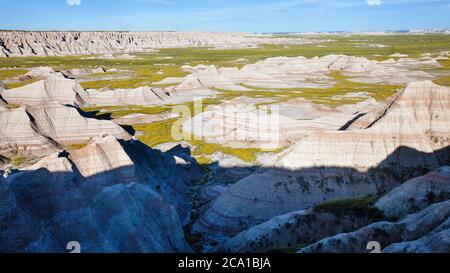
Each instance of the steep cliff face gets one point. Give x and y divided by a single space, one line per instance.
418 119
98 197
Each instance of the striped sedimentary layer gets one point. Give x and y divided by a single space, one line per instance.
18 135
40 130
300 72
67 91
59 90
408 137
20 43
415 120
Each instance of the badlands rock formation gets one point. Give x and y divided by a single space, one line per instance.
417 119
65 125
309 226
67 91
284 232
409 137
115 194
144 118
19 136
39 130
19 43
300 72
425 231
100 197
242 123
416 194
73 73
139 96
2 102
63 91
262 196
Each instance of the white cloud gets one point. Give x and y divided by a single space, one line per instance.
73 2
374 2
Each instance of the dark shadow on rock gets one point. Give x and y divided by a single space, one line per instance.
129 129
92 114
51 209
108 212
1 99
349 123
249 196
103 116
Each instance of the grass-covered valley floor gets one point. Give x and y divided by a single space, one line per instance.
147 69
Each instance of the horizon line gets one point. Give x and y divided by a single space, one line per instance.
250 32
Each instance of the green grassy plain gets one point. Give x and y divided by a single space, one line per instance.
445 80
161 132
343 85
149 68
121 111
10 73
144 69
361 207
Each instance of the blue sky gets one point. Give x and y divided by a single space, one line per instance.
225 15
